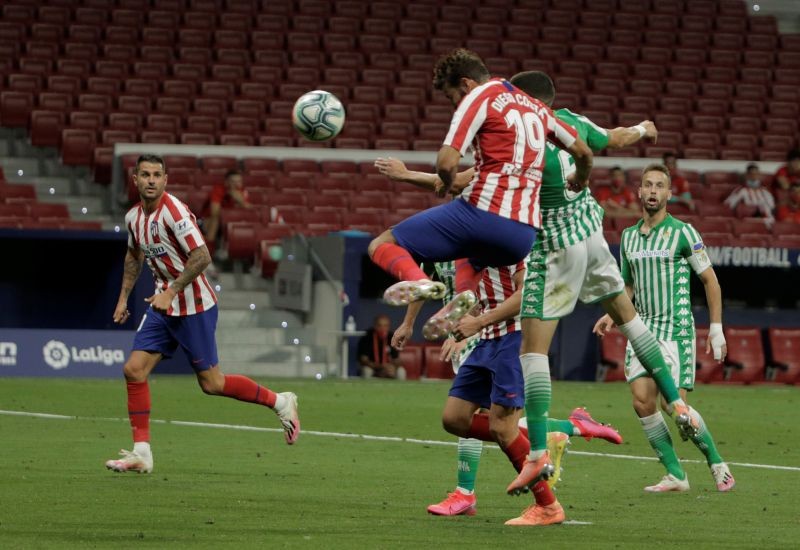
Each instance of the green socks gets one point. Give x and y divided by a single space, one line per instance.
704 441
658 435
564 426
536 370
469 457
649 353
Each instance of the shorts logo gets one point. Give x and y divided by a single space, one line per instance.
56 354
687 380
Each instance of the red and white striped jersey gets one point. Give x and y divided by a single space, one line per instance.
166 237
759 197
508 130
495 287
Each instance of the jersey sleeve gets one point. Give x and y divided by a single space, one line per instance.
559 132
625 266
467 120
596 137
183 225
129 219
693 249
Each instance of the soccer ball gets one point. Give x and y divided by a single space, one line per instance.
318 115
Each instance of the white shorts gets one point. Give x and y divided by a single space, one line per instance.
680 356
556 280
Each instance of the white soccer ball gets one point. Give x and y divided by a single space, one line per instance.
318 115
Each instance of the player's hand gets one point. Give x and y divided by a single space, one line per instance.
392 168
467 326
651 132
716 342
574 185
162 301
451 347
603 325
402 334
121 314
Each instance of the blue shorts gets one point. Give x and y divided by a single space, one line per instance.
492 374
194 333
458 230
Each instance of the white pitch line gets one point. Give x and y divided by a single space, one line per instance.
366 437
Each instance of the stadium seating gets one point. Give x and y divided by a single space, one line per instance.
434 367
708 369
611 367
411 358
745 362
785 355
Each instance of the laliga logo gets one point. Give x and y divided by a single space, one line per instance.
58 355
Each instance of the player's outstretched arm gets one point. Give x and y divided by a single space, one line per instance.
506 311
396 170
130 274
404 332
623 137
447 166
716 338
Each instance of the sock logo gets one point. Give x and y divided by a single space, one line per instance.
463 466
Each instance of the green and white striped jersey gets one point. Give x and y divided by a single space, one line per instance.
567 217
657 266
446 273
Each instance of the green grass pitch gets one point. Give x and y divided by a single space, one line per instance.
217 487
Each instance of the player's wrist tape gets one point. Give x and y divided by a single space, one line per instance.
639 128
715 329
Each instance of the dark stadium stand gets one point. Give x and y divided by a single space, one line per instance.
229 71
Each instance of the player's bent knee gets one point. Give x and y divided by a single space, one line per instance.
456 425
385 237
644 407
134 371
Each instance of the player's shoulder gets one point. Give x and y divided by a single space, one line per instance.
631 229
175 207
131 214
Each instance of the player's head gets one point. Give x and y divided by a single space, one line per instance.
382 325
617 177
536 84
670 161
752 176
150 177
233 179
656 188
458 72
793 161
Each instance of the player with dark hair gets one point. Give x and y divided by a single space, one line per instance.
163 232
656 256
571 261
493 222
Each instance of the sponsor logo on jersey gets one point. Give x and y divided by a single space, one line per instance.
153 250
183 227
8 354
698 247
641 254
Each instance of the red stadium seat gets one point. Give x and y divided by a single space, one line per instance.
612 357
46 127
785 355
412 361
15 108
745 362
434 367
77 146
708 369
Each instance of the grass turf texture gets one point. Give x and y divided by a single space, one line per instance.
213 488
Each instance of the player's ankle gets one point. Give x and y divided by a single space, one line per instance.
142 448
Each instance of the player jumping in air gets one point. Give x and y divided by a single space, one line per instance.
657 256
499 297
183 312
493 222
571 261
